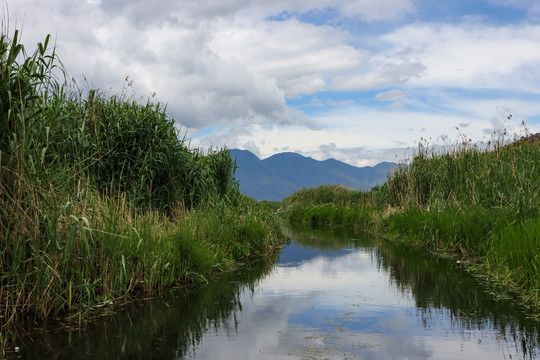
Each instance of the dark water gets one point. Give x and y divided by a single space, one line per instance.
328 296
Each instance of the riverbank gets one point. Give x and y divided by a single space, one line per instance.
330 293
101 199
480 204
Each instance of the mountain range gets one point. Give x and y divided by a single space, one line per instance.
280 175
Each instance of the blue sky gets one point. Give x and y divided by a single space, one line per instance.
362 81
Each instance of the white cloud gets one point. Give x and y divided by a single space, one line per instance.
471 55
379 76
299 56
164 56
210 61
521 109
252 146
227 65
360 136
391 95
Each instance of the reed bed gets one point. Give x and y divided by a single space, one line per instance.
329 205
101 198
480 201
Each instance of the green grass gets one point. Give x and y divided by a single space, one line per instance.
356 218
481 203
101 199
513 255
327 195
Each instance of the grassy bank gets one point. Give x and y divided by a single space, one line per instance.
481 204
101 198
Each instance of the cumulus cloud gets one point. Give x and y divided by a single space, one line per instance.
210 61
300 57
471 55
235 65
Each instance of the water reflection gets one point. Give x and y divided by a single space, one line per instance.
161 328
328 296
466 302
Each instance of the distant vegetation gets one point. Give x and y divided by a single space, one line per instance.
101 198
483 204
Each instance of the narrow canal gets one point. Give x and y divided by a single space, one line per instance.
329 295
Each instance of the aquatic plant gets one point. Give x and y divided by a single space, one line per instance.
477 200
101 199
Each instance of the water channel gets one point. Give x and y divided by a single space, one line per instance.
329 295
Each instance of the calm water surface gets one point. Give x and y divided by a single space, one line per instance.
328 296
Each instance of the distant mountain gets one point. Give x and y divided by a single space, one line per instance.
282 174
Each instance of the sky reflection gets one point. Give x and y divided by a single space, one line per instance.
327 297
340 304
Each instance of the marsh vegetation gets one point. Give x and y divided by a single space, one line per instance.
102 199
480 202
331 294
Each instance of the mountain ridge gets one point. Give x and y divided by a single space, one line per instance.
282 174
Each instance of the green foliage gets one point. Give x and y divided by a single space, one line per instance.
482 203
25 80
271 205
327 195
505 176
120 145
515 252
101 198
131 148
451 228
354 218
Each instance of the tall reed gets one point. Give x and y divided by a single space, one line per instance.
481 201
100 197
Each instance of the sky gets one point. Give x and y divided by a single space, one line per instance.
361 81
